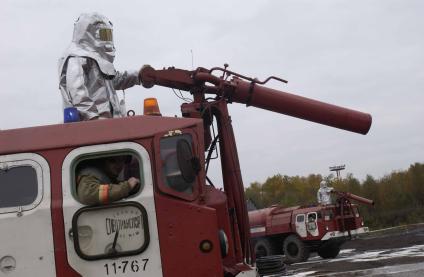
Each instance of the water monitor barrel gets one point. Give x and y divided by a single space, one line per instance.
354 197
253 94
301 107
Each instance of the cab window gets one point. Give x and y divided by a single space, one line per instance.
312 217
300 218
22 177
107 177
179 166
18 186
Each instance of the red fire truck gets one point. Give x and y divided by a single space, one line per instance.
177 223
298 231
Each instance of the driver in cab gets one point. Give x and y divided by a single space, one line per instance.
97 181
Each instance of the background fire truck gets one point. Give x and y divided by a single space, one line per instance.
298 231
177 224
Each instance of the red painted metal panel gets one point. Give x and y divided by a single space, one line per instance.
280 224
55 159
182 227
258 217
217 199
88 132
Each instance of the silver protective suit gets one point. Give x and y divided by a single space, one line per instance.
88 79
324 194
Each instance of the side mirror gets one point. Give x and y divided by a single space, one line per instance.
188 164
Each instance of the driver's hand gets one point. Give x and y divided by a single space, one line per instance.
133 182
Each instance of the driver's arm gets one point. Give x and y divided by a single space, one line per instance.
92 192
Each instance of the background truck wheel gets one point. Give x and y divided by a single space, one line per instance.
263 247
295 250
329 250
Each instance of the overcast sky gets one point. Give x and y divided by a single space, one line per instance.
365 55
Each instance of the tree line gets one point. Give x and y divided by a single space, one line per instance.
398 196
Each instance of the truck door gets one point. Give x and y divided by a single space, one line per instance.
26 239
108 238
300 225
312 225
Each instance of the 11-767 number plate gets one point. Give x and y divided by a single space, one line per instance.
125 266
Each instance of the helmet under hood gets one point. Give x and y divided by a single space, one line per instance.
93 38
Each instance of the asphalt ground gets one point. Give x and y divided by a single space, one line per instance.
395 251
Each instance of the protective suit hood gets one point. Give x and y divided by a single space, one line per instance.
323 184
92 38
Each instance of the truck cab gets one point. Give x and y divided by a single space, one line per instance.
172 225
